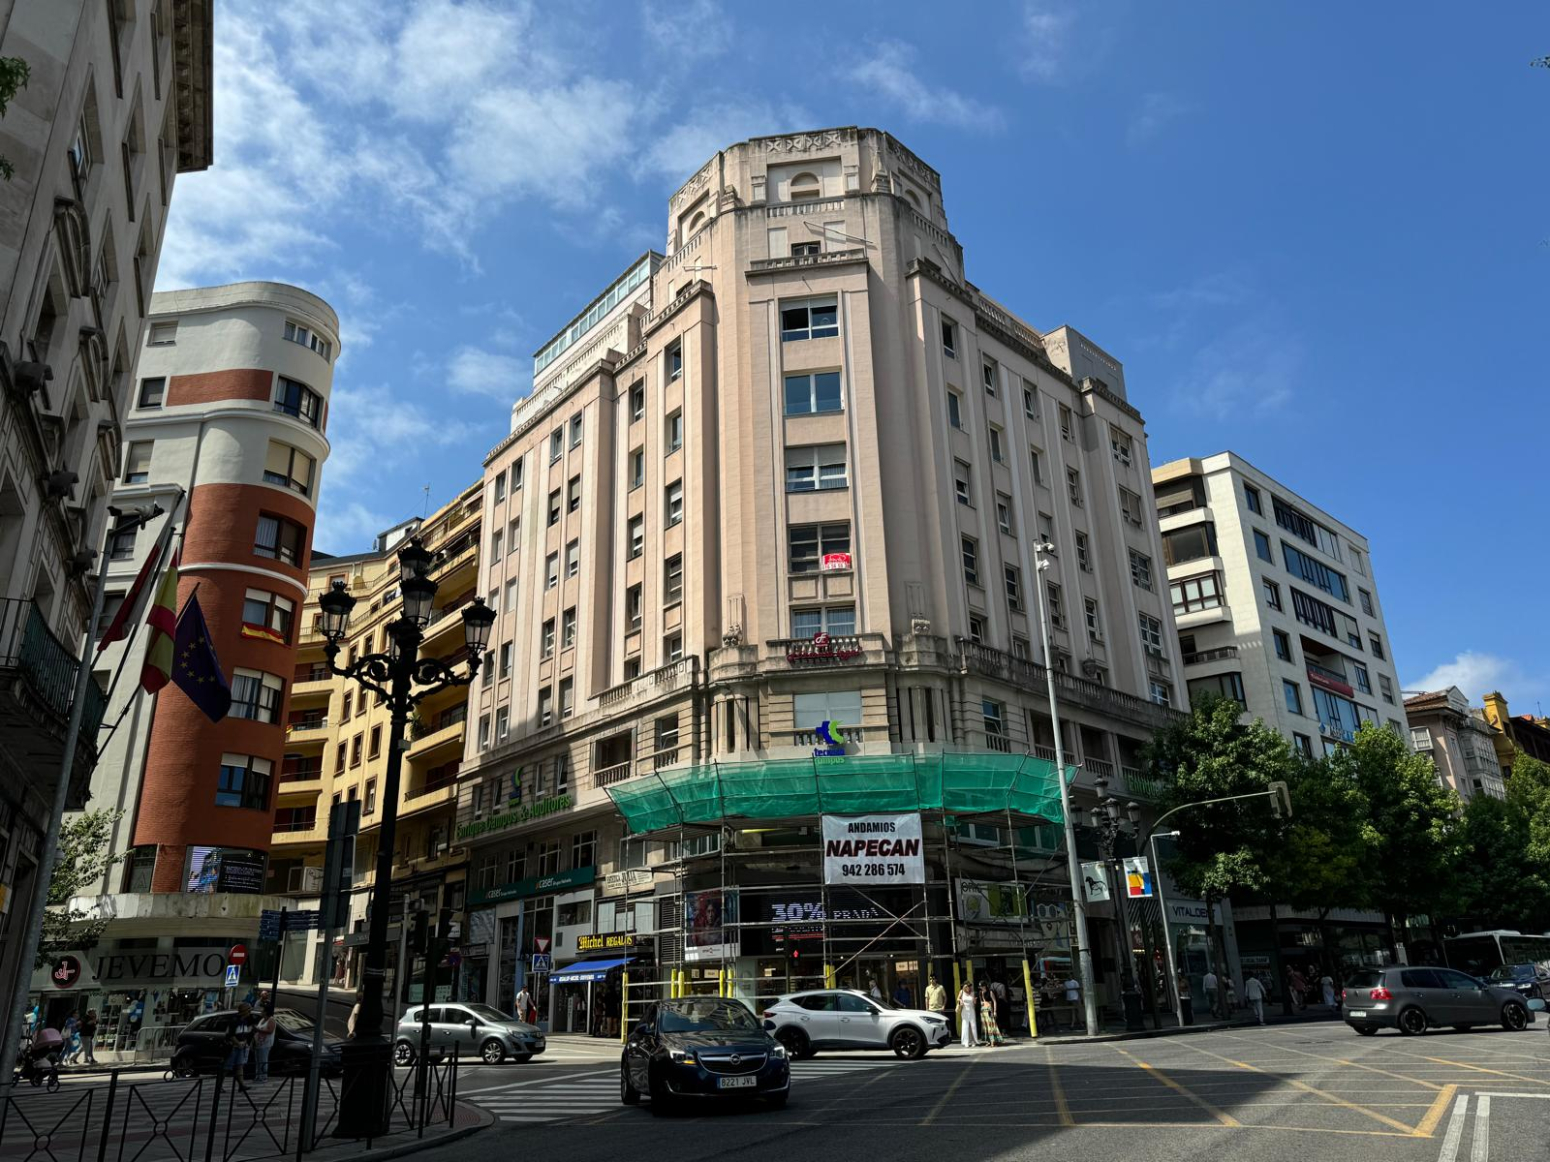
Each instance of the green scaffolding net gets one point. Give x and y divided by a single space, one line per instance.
965 784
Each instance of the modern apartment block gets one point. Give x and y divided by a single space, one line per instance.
224 428
1275 601
791 473
118 104
1458 740
337 735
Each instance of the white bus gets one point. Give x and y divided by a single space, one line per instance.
1482 953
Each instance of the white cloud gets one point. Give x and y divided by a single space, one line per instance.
1246 370
891 73
480 372
677 151
1474 673
1157 111
1044 47
687 30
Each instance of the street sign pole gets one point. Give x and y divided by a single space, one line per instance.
279 955
338 867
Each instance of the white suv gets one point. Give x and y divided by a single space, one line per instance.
847 1019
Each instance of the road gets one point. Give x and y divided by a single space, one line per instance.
1292 1092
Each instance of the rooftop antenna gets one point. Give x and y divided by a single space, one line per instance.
427 510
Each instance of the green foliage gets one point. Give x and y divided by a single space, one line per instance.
1529 788
14 74
84 856
1322 859
1495 881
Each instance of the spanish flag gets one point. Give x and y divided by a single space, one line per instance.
161 632
262 633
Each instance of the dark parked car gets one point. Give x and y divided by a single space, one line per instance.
202 1046
1529 979
701 1048
1413 999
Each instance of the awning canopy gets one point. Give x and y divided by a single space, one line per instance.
585 971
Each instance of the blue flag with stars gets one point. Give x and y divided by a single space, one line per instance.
195 668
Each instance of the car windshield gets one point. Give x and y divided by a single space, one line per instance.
1364 978
486 1013
708 1017
1513 972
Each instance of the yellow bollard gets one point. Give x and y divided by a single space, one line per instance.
624 1008
957 1008
828 976
1033 1017
678 982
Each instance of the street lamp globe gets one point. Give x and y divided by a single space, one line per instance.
478 620
336 605
414 559
418 594
1133 813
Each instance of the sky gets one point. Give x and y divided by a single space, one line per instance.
1316 235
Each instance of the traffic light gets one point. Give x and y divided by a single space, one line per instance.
419 933
796 953
444 925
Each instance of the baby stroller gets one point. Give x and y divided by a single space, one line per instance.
40 1059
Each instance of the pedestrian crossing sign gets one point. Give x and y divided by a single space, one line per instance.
233 975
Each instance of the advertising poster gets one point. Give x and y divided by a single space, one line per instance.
710 924
1095 882
1138 878
873 849
981 902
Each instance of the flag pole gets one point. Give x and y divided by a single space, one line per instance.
173 552
130 702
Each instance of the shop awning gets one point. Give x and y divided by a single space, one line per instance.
585 971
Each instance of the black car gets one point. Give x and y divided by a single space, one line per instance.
1529 979
694 1048
202 1046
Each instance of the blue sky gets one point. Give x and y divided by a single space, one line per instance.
1316 235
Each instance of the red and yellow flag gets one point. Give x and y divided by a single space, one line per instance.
262 633
161 632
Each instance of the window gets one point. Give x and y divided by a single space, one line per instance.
243 782
1047 529
1251 498
631 668
298 400
835 620
673 647
955 409
153 392
1262 547
278 539
1021 647
674 502
804 187
288 467
568 628
971 560
673 579
1316 572
674 432
355 755
1283 644
1030 402
816 468
1121 445
637 403
545 706
513 536
1363 679
500 487
1130 506
484 728
516 474
637 536
993 718
1151 634
345 707
573 558
1366 599
567 697
163 334
637 467
809 319
1357 561
667 740
806 249
1377 646
976 628
1386 688
1094 625
1140 570
551 570
577 424
502 724
963 485
1084 560
556 444
1221 685
997 449
1065 422
307 337
137 462
1014 587
1292 692
268 613
373 749
573 494
1004 519
809 544
506 652
1304 745
813 394
950 338
256 695
1036 464
497 545
988 376
1074 486
634 609
1312 611
546 648
554 508
1057 612
1272 594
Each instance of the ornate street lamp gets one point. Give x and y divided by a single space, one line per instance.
400 678
1107 823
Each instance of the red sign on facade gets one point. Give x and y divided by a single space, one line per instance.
835 561
238 955
540 944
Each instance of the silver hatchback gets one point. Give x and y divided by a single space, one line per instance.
848 1019
466 1030
1414 998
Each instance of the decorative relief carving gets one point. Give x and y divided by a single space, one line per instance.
758 181
694 185
809 142
920 626
916 167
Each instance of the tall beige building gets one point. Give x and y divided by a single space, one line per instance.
792 472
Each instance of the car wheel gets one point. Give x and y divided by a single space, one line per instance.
521 1058
403 1054
908 1043
796 1043
492 1052
628 1094
1366 1030
1514 1016
1412 1022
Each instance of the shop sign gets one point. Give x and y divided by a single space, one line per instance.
226 869
822 648
608 942
536 886
1095 880
831 740
873 849
193 967
66 971
506 819
992 903
711 922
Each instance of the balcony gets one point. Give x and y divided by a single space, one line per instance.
648 687
823 652
1220 654
434 792
806 261
608 776
298 831
1329 679
1003 667
306 730
435 743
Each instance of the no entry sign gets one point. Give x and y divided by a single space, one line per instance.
238 955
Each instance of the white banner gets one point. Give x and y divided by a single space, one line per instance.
873 849
1095 877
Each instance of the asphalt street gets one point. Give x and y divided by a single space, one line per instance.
1303 1091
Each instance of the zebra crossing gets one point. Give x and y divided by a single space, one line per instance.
590 1094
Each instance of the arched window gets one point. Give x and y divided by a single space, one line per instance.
694 224
913 197
805 185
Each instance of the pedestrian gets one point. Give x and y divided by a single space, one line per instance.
1327 985
1229 995
89 1036
239 1039
1297 985
872 990
936 997
998 996
1212 988
1073 998
1184 989
1254 992
968 1004
990 1028
263 1042
902 996
349 1025
524 1004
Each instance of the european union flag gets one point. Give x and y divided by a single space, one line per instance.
196 669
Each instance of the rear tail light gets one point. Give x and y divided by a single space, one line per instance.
769 1014
1342 994
1381 994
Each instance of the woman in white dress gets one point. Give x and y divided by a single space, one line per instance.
968 1014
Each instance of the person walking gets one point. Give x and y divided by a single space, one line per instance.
1073 998
524 1003
89 1036
239 1040
990 1028
968 1005
936 997
998 997
263 1042
873 990
349 1025
1254 993
1212 987
1297 985
1327 985
901 995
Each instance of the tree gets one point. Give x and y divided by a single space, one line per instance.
84 856
1496 881
1529 788
14 74
1321 862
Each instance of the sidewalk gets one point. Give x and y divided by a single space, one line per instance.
1116 1031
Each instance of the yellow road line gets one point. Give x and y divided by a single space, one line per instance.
1497 1072
952 1089
1346 1061
1061 1107
1428 1124
1225 1119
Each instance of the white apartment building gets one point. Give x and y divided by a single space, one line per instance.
1276 603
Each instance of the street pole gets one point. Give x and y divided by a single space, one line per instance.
32 935
1162 904
1073 866
343 822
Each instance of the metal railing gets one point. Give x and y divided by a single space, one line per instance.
1317 671
45 664
994 663
1220 654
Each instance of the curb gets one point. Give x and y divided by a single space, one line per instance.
1179 1031
486 1120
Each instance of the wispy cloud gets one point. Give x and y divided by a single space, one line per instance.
687 30
1477 674
1222 288
678 150
890 71
1156 112
1246 370
491 373
1044 47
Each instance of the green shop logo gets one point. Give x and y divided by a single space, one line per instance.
511 818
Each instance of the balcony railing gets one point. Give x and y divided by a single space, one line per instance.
295 825
301 775
312 722
45 664
1220 654
1317 671
608 776
804 261
431 786
1099 768
993 663
662 680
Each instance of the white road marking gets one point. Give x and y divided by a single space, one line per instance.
1481 1150
1455 1134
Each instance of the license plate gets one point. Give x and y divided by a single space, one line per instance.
737 1082
1356 1013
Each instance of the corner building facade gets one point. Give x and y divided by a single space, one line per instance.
791 473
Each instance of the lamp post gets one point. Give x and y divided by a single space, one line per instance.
1106 821
1042 551
400 678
